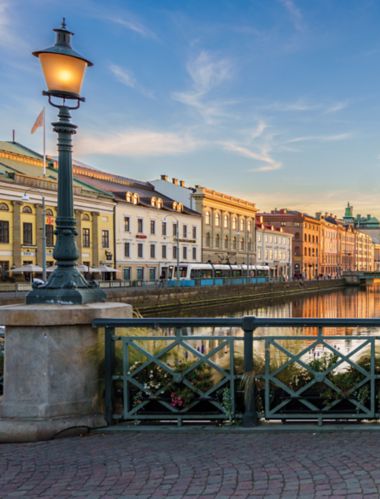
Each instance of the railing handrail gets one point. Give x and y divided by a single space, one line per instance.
246 322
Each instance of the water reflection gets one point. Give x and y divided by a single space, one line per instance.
348 303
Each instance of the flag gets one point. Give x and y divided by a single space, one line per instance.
39 121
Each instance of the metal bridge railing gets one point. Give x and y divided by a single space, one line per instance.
320 369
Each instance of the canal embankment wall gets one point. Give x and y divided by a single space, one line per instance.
150 301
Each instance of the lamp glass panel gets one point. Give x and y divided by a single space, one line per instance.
62 72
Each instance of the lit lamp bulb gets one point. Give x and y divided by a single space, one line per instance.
63 68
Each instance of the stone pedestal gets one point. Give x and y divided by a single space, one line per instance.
51 370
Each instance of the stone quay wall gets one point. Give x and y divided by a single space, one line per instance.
150 301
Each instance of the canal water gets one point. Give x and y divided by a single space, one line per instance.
351 302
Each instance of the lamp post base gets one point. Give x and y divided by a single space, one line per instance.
66 286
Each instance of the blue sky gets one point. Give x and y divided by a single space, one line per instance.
277 101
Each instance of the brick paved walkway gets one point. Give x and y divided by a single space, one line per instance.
195 464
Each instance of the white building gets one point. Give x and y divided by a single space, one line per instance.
146 221
274 248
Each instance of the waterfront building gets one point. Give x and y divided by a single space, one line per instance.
305 247
23 186
274 248
146 224
329 246
364 252
228 222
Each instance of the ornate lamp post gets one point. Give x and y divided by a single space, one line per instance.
64 69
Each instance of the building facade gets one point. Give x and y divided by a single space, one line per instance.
146 224
22 189
305 246
274 248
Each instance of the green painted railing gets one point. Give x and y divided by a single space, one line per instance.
324 369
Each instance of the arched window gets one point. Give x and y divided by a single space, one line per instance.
153 201
4 207
234 223
225 221
135 198
217 241
234 243
128 197
249 226
242 243
27 209
242 224
249 244
208 239
49 213
207 218
217 219
226 242
86 217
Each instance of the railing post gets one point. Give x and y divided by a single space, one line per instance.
250 414
109 357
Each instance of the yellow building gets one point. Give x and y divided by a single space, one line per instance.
23 187
228 227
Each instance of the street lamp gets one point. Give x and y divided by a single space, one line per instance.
64 70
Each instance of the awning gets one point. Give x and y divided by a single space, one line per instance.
27 268
104 268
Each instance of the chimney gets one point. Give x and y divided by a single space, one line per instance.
164 177
182 183
175 181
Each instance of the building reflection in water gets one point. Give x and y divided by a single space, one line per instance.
348 303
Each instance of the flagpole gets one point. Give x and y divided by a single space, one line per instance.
44 146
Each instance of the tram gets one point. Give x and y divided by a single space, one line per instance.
209 274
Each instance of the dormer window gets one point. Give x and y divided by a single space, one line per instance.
153 201
159 203
128 197
135 198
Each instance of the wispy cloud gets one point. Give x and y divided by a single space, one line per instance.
9 36
299 105
262 156
206 72
138 143
321 138
127 78
295 14
335 107
131 23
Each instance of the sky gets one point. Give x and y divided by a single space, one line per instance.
274 101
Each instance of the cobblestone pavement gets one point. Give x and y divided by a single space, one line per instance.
195 464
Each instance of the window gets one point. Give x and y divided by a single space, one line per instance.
105 239
27 230
225 221
140 225
184 231
127 224
27 209
208 239
163 251
140 250
234 243
4 207
164 228
152 275
174 252
194 232
234 223
217 219
217 241
152 227
174 230
207 218
249 244
226 242
85 216
127 273
194 253
127 250
49 232
184 252
242 243
86 238
153 251
4 267
249 226
4 231
242 224
140 273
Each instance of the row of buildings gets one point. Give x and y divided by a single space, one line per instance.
135 230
